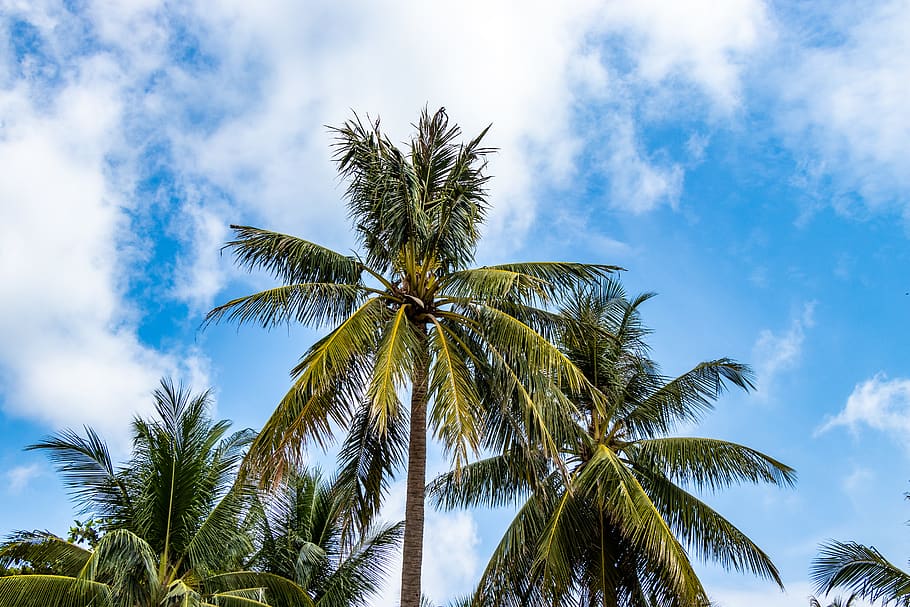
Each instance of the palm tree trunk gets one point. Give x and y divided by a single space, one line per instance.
412 557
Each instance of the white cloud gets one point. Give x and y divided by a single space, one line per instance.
776 353
796 595
638 183
526 67
69 351
846 105
451 563
19 477
703 42
879 403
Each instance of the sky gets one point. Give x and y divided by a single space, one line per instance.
746 160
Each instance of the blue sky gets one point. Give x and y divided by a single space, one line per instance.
747 160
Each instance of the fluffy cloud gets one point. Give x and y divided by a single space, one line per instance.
776 353
69 351
847 103
879 403
450 560
796 595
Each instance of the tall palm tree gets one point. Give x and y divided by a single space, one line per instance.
406 313
299 533
862 570
610 520
170 519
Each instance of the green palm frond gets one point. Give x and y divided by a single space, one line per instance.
862 570
685 398
35 547
497 481
361 574
618 493
710 463
60 591
704 531
311 304
279 591
456 411
218 539
400 346
127 565
88 472
291 259
367 462
558 279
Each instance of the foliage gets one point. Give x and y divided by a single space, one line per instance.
407 311
862 570
299 530
169 520
836 602
608 518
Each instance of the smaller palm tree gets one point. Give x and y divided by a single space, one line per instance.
837 602
611 520
301 536
170 520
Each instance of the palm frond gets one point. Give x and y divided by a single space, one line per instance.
60 591
361 574
456 411
367 462
862 570
493 482
704 531
291 259
46 548
396 353
88 472
685 398
315 305
279 591
710 463
619 494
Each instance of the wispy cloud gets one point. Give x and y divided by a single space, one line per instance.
878 403
778 352
845 106
19 477
450 562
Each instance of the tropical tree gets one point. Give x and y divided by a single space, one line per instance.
299 530
837 602
862 570
170 520
611 519
406 313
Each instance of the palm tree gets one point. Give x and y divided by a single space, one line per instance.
299 531
609 521
837 602
170 520
862 570
406 313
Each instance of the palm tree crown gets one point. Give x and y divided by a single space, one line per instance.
608 520
299 530
406 313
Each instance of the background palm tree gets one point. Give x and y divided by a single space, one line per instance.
406 314
609 520
300 533
836 602
170 519
862 570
